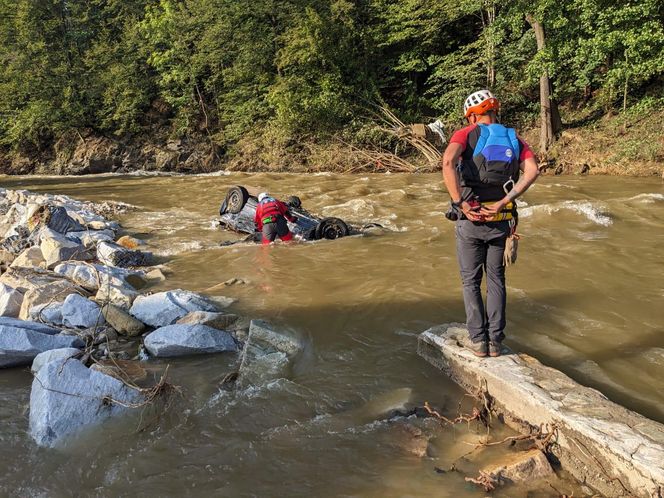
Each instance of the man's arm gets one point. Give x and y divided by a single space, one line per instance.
530 174
450 158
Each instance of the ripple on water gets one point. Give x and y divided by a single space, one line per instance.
594 211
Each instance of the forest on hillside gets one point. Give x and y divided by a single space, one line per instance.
297 70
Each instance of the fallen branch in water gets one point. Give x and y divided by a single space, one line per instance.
487 481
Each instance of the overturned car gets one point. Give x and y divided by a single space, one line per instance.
239 207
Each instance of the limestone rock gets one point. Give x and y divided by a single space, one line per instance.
90 238
21 341
125 370
526 466
220 321
80 312
182 340
30 258
67 396
94 276
55 291
55 218
56 248
165 308
121 296
50 313
10 301
54 354
116 255
122 321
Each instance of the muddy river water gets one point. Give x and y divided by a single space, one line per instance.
586 297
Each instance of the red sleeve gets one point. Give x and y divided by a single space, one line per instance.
285 210
461 136
526 151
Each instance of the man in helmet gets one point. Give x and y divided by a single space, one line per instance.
270 219
486 166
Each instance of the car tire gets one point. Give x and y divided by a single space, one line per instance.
236 198
331 228
294 202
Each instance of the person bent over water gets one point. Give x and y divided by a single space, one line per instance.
481 170
270 219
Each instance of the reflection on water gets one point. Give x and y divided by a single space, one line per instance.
585 297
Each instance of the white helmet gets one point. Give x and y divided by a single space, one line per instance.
262 196
480 102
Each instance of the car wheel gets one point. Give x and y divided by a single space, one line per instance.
236 198
294 201
331 228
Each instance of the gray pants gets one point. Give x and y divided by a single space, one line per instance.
480 248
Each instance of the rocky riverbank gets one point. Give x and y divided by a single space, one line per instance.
75 303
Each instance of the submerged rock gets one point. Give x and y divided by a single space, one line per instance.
221 321
54 354
10 301
116 255
525 466
182 340
165 308
80 312
21 341
66 397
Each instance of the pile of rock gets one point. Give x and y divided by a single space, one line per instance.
70 297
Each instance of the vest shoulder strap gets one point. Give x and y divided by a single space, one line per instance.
516 145
482 137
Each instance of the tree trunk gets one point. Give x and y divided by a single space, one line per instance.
550 122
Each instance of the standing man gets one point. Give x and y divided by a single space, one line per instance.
481 169
270 218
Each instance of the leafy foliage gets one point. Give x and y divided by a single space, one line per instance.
225 68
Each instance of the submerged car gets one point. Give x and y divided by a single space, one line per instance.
239 207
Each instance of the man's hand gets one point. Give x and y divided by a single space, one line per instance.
473 214
495 208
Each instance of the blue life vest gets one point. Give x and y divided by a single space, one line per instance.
490 160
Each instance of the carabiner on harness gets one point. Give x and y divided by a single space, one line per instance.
509 183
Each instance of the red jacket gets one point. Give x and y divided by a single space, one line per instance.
272 207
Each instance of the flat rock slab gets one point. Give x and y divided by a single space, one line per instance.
66 397
599 442
21 341
184 340
78 311
54 354
165 308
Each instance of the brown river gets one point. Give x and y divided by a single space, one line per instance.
586 297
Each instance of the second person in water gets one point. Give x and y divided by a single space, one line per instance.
270 219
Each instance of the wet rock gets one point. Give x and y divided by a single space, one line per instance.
121 296
182 340
56 248
30 258
90 238
155 275
267 337
55 291
166 308
220 321
127 371
129 242
123 322
67 396
10 301
411 439
116 255
79 312
263 368
93 276
50 313
54 354
525 466
21 341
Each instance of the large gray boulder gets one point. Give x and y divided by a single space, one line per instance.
166 308
50 313
10 301
54 354
93 277
80 312
56 248
21 341
66 397
183 340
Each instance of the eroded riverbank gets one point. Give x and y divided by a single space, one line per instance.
588 277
